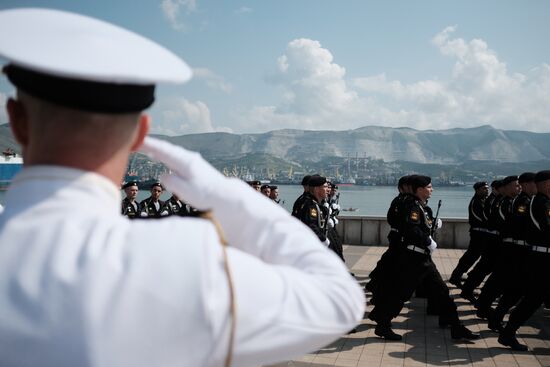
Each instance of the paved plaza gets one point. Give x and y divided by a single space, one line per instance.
424 343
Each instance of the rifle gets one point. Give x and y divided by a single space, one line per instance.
435 220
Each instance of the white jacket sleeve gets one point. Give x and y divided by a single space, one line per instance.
293 294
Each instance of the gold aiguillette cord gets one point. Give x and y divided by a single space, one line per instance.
232 305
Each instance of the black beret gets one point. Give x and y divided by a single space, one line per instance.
129 183
333 185
509 179
305 180
316 180
496 184
417 181
542 176
255 182
527 177
156 184
403 181
273 187
480 184
265 186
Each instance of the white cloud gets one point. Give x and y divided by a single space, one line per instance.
478 90
180 116
212 79
243 10
172 11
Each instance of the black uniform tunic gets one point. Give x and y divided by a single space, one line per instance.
314 216
148 207
131 210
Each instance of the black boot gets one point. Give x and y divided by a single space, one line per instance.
370 286
468 296
484 312
456 281
459 331
495 322
508 338
384 331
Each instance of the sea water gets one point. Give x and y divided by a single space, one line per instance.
370 200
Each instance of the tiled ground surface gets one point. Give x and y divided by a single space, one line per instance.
424 343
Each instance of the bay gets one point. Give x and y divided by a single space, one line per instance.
370 200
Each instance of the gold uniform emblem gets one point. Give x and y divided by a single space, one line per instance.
313 212
414 216
522 209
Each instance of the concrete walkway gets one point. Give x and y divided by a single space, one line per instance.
424 343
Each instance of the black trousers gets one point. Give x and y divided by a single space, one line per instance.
335 243
412 269
507 274
478 242
537 290
485 265
386 262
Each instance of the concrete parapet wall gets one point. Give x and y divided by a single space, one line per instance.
373 231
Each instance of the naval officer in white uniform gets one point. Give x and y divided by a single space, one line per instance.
80 285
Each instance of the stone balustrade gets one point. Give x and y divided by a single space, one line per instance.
373 231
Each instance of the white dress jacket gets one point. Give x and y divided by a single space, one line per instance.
80 285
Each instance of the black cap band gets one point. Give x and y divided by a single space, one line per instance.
542 176
509 179
82 94
527 177
480 184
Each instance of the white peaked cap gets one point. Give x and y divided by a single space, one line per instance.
69 45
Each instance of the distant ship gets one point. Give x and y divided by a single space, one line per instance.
10 164
345 181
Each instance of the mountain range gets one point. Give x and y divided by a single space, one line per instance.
453 146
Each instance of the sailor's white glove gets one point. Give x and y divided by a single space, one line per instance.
326 204
335 206
432 246
335 221
192 178
143 214
438 223
327 242
164 213
330 223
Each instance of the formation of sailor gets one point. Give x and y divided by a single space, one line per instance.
505 228
410 265
535 268
81 285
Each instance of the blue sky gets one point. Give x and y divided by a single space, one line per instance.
336 65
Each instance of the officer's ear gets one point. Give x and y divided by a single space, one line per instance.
18 121
144 122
